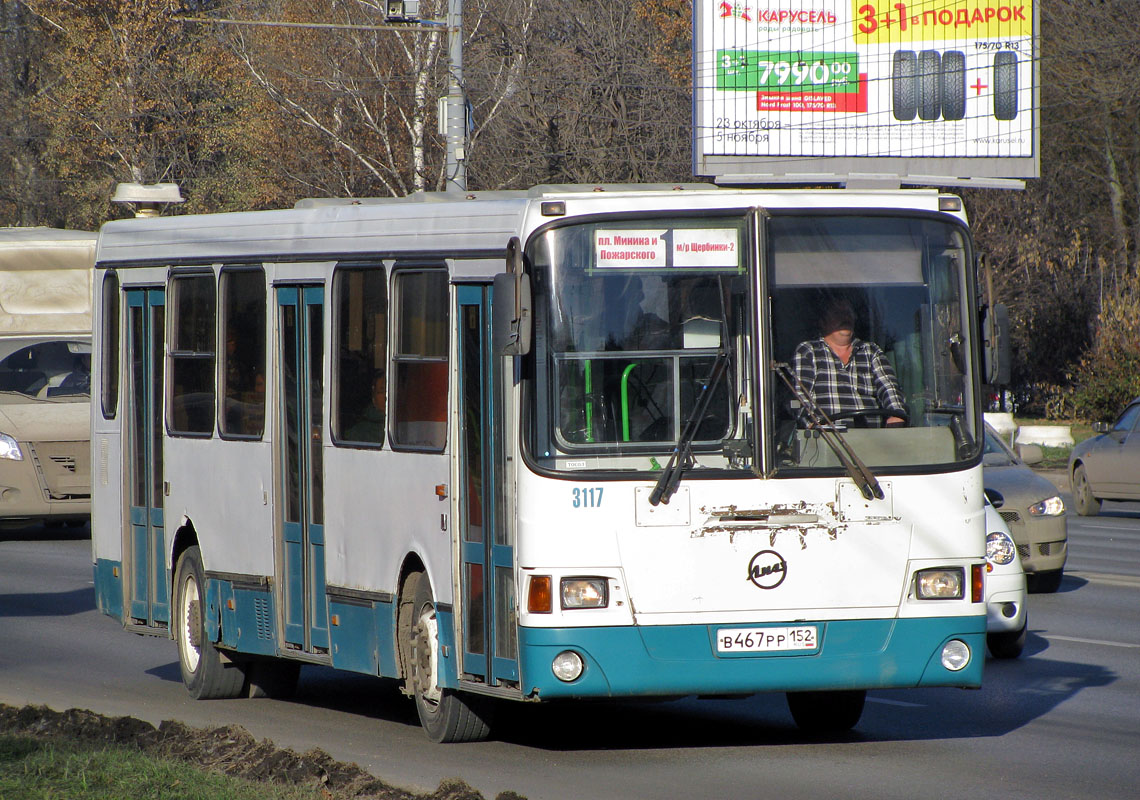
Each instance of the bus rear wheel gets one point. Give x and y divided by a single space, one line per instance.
446 715
824 713
206 674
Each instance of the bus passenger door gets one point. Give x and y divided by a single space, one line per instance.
146 551
490 644
302 542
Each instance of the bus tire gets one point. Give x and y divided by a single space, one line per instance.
206 674
1005 85
904 101
818 713
445 714
1087 504
929 85
953 85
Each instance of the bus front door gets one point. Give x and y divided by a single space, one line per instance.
149 596
490 643
301 575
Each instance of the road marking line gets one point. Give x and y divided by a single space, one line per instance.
1107 578
1079 640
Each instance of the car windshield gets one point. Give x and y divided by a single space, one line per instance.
996 454
46 369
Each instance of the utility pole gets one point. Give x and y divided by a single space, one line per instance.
456 103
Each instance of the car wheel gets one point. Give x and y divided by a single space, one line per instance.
1045 582
1005 85
1087 504
446 715
953 85
904 93
1008 644
826 712
929 85
206 675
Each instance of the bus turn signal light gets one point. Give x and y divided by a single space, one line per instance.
539 600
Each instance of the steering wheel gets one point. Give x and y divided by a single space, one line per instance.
862 415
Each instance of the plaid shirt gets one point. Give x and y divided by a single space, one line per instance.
866 381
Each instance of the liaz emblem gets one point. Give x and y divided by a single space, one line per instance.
767 569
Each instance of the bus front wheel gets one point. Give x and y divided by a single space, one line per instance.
826 712
206 675
446 715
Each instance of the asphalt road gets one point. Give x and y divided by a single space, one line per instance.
1062 721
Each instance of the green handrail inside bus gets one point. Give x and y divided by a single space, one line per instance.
625 401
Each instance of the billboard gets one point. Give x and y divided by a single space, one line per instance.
934 91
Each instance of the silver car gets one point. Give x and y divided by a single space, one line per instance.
1031 507
1107 466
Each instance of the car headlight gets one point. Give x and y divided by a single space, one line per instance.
584 593
1053 507
1000 548
10 448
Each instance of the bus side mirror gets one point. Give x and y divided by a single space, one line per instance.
996 353
512 318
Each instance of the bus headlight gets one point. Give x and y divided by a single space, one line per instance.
1052 507
939 584
10 448
584 593
567 666
1000 549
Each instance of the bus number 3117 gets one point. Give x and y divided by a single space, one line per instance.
588 498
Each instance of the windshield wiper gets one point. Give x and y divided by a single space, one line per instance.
865 479
682 456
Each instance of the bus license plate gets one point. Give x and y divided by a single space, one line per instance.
767 640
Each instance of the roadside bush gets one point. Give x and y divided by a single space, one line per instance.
1108 374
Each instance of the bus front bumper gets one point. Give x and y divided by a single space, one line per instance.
678 660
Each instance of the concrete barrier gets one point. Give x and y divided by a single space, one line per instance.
1002 423
1047 435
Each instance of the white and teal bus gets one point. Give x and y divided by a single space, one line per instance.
542 445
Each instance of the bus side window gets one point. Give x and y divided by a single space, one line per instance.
243 360
420 359
192 354
361 330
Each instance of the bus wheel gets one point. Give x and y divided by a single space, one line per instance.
826 712
446 715
204 672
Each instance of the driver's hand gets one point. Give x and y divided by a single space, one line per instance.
895 422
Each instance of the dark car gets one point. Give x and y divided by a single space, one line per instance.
1031 507
1107 466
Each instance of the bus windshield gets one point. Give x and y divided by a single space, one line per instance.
902 283
632 314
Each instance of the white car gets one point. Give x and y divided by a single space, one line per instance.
1006 617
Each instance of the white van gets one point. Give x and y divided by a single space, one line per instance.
45 375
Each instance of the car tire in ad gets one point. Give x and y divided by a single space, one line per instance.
1005 85
953 85
929 85
904 91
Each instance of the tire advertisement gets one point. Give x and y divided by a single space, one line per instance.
894 79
